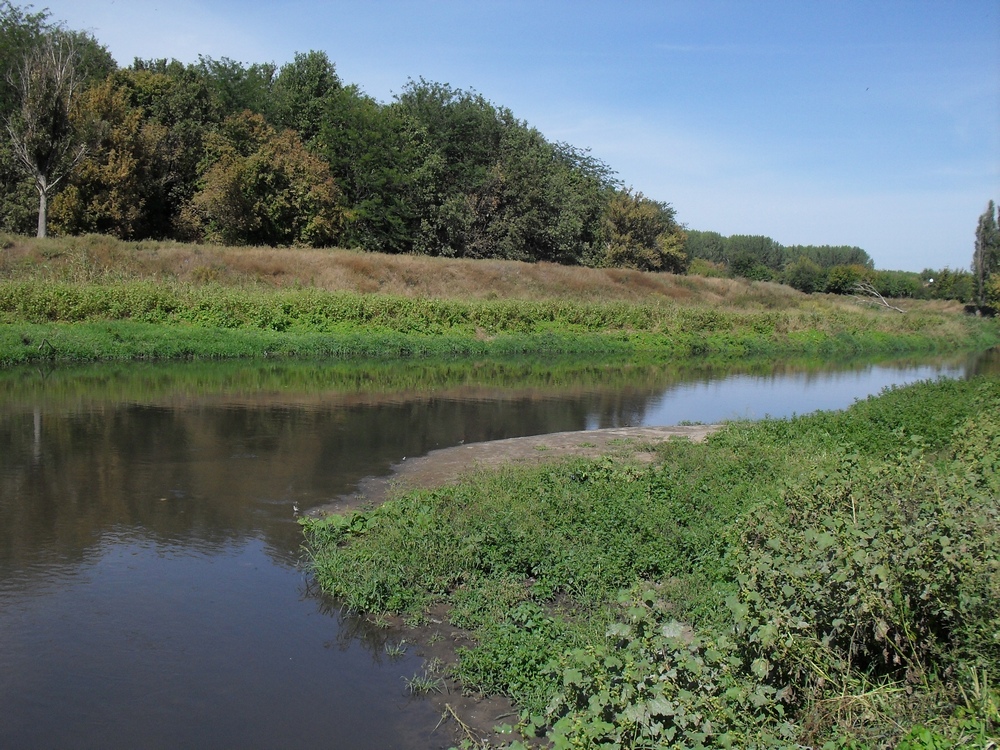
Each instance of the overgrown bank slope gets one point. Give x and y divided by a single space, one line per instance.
92 298
842 593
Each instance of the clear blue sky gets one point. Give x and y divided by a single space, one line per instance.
854 122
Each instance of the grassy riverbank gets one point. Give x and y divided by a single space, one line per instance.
830 580
90 299
86 323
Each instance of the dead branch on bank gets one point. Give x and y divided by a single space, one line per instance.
866 292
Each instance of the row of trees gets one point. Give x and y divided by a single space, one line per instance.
255 154
840 269
764 259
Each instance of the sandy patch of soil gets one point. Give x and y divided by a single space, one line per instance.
448 465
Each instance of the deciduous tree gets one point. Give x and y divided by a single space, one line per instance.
117 188
805 274
301 94
642 233
707 245
262 187
43 136
381 159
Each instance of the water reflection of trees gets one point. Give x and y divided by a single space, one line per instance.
218 458
217 473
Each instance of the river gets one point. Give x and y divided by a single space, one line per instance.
152 592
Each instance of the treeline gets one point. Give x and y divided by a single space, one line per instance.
819 268
257 154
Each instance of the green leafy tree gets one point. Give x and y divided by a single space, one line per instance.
462 126
554 198
746 253
500 189
947 283
805 274
115 189
262 187
898 284
143 168
42 64
236 87
387 170
301 94
180 99
986 256
843 279
464 131
828 256
747 265
643 233
706 245
20 31
534 204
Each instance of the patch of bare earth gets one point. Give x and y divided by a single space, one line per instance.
469 716
448 465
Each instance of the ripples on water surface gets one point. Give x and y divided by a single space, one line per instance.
150 592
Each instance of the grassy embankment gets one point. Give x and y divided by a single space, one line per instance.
827 581
93 298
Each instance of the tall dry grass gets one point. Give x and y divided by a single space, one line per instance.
95 258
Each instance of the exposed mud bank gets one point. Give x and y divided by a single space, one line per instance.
448 465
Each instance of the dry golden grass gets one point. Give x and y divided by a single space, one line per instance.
96 258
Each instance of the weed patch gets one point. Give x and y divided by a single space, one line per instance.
830 581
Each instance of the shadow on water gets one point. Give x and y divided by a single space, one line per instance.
150 587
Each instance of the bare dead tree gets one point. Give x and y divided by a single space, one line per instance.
866 292
42 133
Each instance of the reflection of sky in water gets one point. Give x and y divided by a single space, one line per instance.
149 645
755 397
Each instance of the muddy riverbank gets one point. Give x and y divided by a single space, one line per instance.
448 465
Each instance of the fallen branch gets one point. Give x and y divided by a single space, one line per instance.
476 742
866 292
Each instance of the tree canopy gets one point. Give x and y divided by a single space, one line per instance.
260 153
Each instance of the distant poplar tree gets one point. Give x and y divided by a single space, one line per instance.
986 257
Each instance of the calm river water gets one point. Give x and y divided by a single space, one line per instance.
151 592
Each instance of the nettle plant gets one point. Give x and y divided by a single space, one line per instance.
653 682
876 572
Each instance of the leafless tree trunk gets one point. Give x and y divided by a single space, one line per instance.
41 129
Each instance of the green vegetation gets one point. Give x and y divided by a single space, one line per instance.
42 320
986 258
263 154
734 594
291 155
824 268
